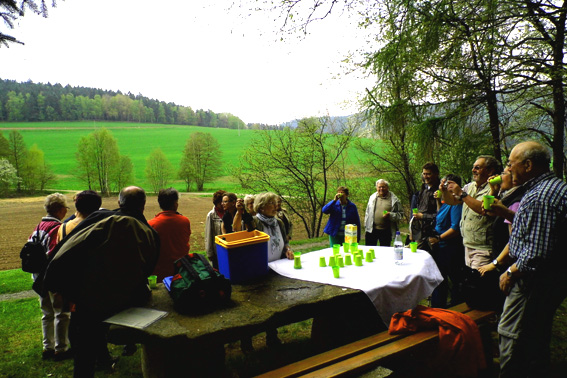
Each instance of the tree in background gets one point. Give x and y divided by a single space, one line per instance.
298 165
123 173
18 152
4 146
36 174
8 176
201 161
158 170
493 61
98 159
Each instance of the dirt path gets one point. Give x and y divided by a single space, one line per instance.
19 216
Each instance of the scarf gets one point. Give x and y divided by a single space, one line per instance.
276 243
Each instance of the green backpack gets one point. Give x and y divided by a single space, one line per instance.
196 287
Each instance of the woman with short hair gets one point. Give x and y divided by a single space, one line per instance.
55 317
265 205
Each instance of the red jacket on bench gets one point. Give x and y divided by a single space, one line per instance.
460 345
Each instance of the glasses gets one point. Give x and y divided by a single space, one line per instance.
477 168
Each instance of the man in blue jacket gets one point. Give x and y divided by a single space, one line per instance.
341 212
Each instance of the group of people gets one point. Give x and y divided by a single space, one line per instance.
99 261
262 212
85 281
516 242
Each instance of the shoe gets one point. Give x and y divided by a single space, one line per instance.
129 349
47 354
60 356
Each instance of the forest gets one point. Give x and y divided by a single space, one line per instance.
38 102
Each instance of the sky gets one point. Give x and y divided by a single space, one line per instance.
202 54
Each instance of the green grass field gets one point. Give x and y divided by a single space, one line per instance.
58 140
134 140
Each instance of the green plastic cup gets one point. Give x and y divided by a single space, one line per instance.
358 260
413 246
487 202
496 180
373 253
336 271
152 281
384 212
348 259
340 261
353 247
336 248
332 261
368 256
322 262
415 211
297 260
346 247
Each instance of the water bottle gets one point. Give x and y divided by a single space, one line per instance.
398 249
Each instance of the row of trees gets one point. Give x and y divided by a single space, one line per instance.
29 102
101 166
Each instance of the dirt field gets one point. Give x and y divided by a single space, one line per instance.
18 218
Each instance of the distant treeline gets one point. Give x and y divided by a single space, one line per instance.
30 102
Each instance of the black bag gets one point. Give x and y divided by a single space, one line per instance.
196 286
483 292
34 254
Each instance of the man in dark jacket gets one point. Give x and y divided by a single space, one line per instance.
423 223
102 267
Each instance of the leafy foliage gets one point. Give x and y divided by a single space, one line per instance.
298 165
98 160
201 161
8 175
158 170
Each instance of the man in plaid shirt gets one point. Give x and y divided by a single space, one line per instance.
536 281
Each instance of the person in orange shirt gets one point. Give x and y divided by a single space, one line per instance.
174 231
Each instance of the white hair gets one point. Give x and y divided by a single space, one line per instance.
382 181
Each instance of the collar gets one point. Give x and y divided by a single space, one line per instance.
49 218
479 187
536 180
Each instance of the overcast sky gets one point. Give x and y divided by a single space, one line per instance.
194 53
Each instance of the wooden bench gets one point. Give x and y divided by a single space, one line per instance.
365 354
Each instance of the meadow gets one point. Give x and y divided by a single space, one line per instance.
59 140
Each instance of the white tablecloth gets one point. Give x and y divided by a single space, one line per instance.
392 288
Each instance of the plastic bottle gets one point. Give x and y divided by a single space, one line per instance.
398 249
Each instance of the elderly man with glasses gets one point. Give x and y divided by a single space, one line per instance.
476 228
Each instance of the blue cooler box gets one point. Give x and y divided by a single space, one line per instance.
243 255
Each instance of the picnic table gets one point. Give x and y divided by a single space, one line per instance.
180 342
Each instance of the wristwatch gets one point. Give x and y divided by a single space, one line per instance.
509 272
495 262
463 195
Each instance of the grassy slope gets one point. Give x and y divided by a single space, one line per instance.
60 145
135 141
